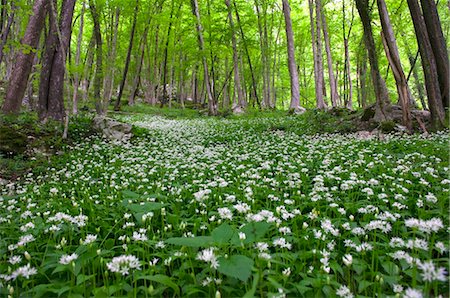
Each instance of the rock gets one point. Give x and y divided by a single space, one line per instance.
238 110
400 128
368 113
113 129
297 110
364 135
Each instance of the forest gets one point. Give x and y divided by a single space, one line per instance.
224 148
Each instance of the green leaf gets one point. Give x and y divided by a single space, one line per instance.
237 266
251 293
199 241
130 195
254 231
165 280
391 268
223 233
82 278
363 284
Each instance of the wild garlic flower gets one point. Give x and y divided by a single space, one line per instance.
123 264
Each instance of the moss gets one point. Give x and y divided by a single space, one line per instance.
12 141
387 126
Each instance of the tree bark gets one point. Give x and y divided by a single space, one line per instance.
439 47
295 94
391 49
320 86
5 31
383 105
212 106
51 87
236 74
24 58
333 83
127 61
76 82
435 103
137 77
99 105
109 80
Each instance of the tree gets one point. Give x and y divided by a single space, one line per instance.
333 83
382 105
99 59
212 106
24 58
429 66
237 77
51 87
390 45
295 94
127 61
439 47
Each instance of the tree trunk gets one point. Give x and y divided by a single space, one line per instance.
383 105
438 46
127 61
24 60
99 105
429 66
76 83
51 87
417 81
212 107
137 79
109 80
6 30
333 83
390 46
295 94
237 80
320 84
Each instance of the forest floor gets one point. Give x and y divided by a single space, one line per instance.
255 206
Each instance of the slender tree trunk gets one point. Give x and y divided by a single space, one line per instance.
89 60
264 63
295 94
76 83
212 107
390 46
333 83
429 66
383 105
99 105
237 80
6 30
165 97
137 78
417 82
24 60
320 84
349 103
438 46
109 80
249 60
127 61
363 78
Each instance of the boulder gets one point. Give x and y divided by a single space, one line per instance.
113 129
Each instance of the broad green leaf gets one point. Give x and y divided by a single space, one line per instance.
222 233
390 268
199 241
237 266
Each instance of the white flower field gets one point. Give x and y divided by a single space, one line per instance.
231 208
